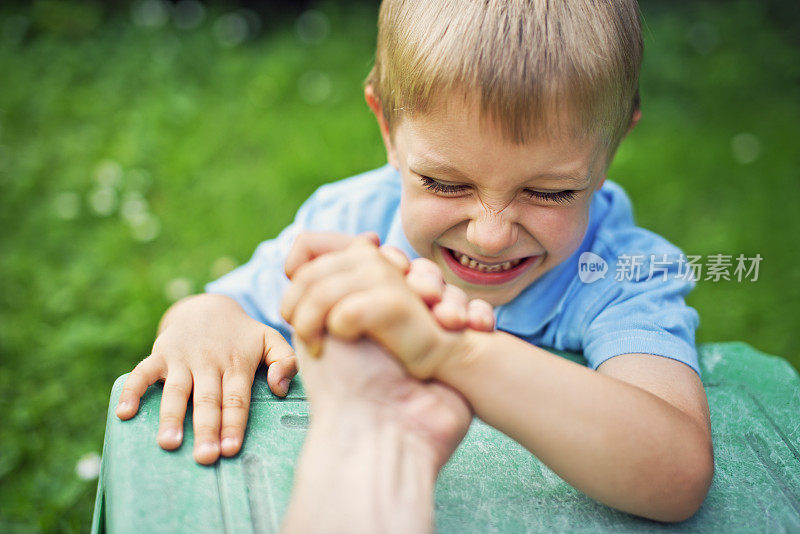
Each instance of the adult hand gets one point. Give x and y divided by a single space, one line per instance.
362 379
377 440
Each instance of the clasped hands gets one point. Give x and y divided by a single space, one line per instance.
413 323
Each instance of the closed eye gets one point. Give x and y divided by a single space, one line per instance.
557 197
438 187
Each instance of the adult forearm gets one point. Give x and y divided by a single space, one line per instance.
358 474
612 440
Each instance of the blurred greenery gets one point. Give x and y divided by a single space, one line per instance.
145 151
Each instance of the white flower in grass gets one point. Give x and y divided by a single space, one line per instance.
746 148
231 29
103 200
134 207
178 288
312 27
108 173
222 266
314 87
88 466
188 14
150 13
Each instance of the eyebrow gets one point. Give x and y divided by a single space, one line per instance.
445 168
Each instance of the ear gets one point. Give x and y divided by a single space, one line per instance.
635 118
377 109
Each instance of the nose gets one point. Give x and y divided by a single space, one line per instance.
491 233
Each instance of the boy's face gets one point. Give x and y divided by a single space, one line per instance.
493 215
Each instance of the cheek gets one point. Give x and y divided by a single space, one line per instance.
560 231
425 217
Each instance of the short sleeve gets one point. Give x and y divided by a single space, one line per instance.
259 284
364 202
646 315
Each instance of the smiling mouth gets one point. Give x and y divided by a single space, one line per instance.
472 263
477 272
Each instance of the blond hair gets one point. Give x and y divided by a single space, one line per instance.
531 63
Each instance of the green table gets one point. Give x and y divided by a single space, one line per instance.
491 484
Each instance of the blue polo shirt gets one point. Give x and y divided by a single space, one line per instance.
621 292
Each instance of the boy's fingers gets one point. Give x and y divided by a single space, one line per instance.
281 362
310 245
361 252
451 312
309 315
306 275
425 279
177 388
206 416
481 315
277 348
280 374
372 237
455 295
386 316
396 257
236 388
147 372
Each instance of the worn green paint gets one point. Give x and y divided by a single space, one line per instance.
490 485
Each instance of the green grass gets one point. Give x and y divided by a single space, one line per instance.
200 152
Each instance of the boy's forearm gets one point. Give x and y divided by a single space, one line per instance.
356 474
610 439
190 307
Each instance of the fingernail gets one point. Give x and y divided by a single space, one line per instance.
207 448
283 385
229 444
123 406
172 435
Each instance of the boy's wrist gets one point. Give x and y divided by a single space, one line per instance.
464 349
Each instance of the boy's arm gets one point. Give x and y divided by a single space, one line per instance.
634 435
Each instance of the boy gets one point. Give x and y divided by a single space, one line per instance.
500 120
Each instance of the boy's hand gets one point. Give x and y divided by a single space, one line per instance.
360 291
449 304
210 345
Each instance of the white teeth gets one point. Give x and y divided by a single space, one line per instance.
482 267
